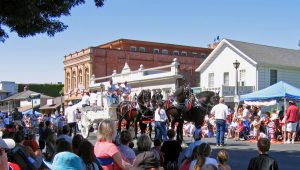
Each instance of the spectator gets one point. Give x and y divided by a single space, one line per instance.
50 146
146 160
126 152
256 125
143 144
105 150
157 151
31 142
65 134
239 129
220 111
188 152
17 117
86 153
187 162
263 161
203 158
42 135
76 142
171 150
232 128
35 158
48 129
63 146
65 160
222 158
5 145
209 167
292 122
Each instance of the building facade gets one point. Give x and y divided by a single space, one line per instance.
100 61
260 66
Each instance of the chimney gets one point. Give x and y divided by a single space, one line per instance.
25 88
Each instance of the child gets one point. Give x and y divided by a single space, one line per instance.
222 158
271 129
239 129
256 125
232 128
157 150
263 161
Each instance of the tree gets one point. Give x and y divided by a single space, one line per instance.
31 17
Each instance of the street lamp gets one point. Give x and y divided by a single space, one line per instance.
236 65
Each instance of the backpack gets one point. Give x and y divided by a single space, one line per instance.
19 156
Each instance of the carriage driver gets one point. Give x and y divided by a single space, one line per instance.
111 93
126 90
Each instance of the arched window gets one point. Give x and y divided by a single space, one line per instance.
73 80
68 81
87 78
80 77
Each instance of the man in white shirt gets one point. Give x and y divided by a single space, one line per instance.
160 118
71 120
220 111
246 113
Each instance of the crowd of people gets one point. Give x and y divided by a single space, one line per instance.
250 123
57 148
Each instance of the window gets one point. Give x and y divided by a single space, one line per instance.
80 77
211 80
156 51
142 49
242 77
175 52
273 77
226 79
132 48
87 78
68 82
164 51
203 55
184 53
73 80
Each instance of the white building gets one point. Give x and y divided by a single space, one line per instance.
260 67
164 78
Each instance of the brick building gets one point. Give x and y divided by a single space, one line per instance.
101 60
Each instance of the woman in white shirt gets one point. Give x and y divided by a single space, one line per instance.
160 119
204 152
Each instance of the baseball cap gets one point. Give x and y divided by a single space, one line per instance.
291 101
65 160
7 143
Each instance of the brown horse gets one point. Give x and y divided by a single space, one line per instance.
126 111
188 107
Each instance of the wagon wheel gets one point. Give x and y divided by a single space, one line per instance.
85 126
85 132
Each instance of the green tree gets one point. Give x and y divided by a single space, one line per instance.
31 17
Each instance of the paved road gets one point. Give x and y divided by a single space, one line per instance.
240 152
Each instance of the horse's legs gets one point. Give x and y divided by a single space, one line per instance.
135 128
143 127
120 125
180 132
150 130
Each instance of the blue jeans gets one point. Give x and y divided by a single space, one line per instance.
220 123
161 130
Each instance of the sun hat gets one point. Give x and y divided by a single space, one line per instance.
7 143
65 161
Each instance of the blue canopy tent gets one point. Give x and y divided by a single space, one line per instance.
30 112
278 91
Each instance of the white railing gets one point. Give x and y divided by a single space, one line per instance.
230 90
140 74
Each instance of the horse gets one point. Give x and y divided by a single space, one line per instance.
188 107
127 111
145 112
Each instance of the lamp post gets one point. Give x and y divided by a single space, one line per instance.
236 65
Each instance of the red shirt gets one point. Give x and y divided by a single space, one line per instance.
292 114
105 149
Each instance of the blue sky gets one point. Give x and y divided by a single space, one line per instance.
192 22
